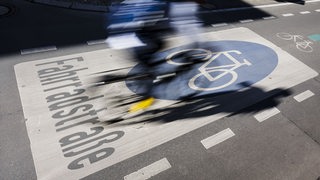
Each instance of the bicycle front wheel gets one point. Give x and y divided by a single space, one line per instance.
201 83
304 47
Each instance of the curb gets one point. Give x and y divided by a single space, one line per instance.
106 9
73 5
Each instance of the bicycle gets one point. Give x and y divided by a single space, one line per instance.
301 44
184 60
121 105
206 71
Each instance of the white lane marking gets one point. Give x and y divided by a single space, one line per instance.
246 21
261 6
268 17
305 12
38 50
303 96
288 14
94 42
317 10
219 25
217 138
150 170
266 114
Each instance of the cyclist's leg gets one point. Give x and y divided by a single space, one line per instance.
145 56
185 20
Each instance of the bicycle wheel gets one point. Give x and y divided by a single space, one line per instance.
188 56
201 80
304 47
285 36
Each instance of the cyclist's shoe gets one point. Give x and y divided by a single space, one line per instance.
142 105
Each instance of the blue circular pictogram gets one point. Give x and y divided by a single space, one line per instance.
222 66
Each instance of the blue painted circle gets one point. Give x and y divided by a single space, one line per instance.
225 67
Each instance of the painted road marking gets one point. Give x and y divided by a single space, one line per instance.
303 96
38 50
219 25
288 14
94 42
217 138
314 37
150 170
246 21
305 12
63 119
317 10
269 17
266 114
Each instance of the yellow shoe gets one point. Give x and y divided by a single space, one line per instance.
144 104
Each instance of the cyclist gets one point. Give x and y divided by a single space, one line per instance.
142 24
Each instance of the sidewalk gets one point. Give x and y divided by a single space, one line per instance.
104 5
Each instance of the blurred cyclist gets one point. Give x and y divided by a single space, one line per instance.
139 25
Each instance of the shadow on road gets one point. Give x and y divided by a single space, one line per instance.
235 102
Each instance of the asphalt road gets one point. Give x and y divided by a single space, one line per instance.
270 130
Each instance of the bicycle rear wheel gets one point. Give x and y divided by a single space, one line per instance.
200 83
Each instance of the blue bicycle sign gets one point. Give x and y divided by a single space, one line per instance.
224 65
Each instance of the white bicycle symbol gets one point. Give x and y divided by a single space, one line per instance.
301 44
207 71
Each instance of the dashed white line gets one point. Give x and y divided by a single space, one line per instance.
288 14
38 50
150 170
217 138
219 25
94 42
246 20
303 96
266 114
268 17
317 10
305 12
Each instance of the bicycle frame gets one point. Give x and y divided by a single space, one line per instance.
205 70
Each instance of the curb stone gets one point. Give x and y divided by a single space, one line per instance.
54 3
73 5
218 4
89 7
